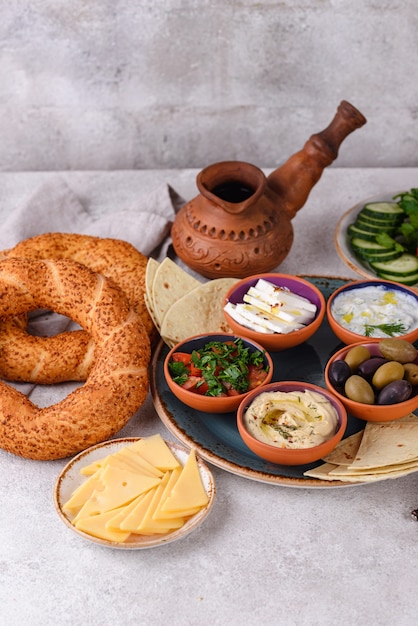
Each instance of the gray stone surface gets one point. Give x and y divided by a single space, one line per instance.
117 84
267 555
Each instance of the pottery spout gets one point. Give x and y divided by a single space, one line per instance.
293 181
241 221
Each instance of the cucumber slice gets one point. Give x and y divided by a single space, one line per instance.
392 222
372 228
375 257
373 251
404 266
368 246
354 231
408 281
382 210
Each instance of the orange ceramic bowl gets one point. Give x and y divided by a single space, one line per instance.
370 412
347 336
211 404
287 456
275 341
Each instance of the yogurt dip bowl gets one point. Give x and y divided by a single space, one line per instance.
362 306
326 410
286 283
206 403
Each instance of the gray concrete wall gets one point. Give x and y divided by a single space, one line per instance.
121 84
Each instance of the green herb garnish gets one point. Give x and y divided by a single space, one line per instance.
396 328
224 365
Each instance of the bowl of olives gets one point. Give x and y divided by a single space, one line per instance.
377 381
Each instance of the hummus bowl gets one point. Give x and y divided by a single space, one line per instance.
209 403
291 422
284 284
377 307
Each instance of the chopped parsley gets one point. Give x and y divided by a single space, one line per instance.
222 366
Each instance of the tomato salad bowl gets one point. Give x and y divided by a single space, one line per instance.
213 373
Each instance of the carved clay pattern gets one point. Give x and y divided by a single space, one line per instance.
224 259
259 230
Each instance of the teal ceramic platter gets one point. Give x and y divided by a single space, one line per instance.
216 437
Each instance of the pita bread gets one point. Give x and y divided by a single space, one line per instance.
199 311
170 283
381 451
346 450
388 443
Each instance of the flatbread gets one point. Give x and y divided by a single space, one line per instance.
387 443
199 311
326 472
170 283
150 271
346 450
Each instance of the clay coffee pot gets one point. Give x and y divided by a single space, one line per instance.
240 223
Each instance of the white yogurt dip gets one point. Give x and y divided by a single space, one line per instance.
376 311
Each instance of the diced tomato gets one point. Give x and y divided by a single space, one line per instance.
184 357
191 383
203 388
197 384
256 376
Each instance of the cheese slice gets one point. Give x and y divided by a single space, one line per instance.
188 492
89 470
271 293
120 487
148 525
155 450
139 520
121 513
159 514
97 526
83 492
138 461
135 514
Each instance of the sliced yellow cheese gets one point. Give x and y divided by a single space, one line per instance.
164 515
155 450
150 526
188 492
89 470
135 517
97 526
138 461
131 512
122 512
120 487
83 492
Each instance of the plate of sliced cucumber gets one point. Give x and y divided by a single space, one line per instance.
379 238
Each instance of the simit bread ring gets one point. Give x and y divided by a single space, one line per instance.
57 359
118 381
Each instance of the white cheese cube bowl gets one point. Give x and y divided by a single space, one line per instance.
395 304
298 293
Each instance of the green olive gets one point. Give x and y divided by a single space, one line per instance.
411 373
398 350
387 373
355 356
358 389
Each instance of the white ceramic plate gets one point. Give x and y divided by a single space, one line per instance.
341 238
70 478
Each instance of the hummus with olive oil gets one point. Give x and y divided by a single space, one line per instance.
293 419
